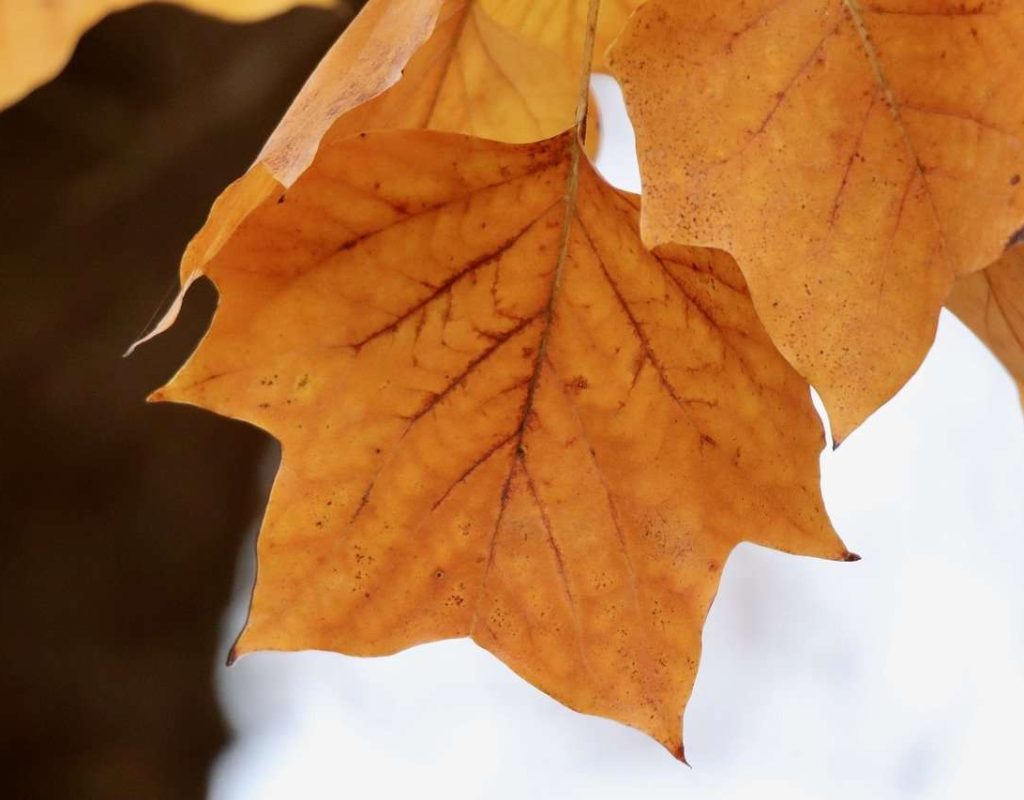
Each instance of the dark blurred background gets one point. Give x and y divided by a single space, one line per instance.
123 521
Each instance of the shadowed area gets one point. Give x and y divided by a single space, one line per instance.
122 521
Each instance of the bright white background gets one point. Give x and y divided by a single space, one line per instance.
901 676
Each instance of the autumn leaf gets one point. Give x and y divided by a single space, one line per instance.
502 417
37 38
501 69
991 303
853 157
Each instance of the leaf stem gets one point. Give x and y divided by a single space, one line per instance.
583 98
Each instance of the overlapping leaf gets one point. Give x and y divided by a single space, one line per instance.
498 69
991 303
854 157
501 417
502 69
37 38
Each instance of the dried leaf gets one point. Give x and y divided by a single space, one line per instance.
499 69
369 57
854 157
37 38
502 69
991 303
559 25
501 417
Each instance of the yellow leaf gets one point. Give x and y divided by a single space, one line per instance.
854 157
558 24
369 57
37 38
499 69
991 303
502 417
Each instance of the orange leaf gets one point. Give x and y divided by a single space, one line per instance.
501 69
501 417
37 38
991 303
854 157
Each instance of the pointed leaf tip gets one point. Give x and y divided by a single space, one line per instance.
926 142
538 459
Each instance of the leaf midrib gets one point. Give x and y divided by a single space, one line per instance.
857 17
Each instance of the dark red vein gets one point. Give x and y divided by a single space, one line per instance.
442 289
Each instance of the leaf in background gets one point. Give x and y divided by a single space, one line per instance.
37 38
502 417
991 303
854 157
508 70
558 24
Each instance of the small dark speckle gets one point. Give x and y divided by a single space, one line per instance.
1014 180
439 573
578 383
280 199
1016 238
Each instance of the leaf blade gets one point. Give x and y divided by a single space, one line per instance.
570 507
853 158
